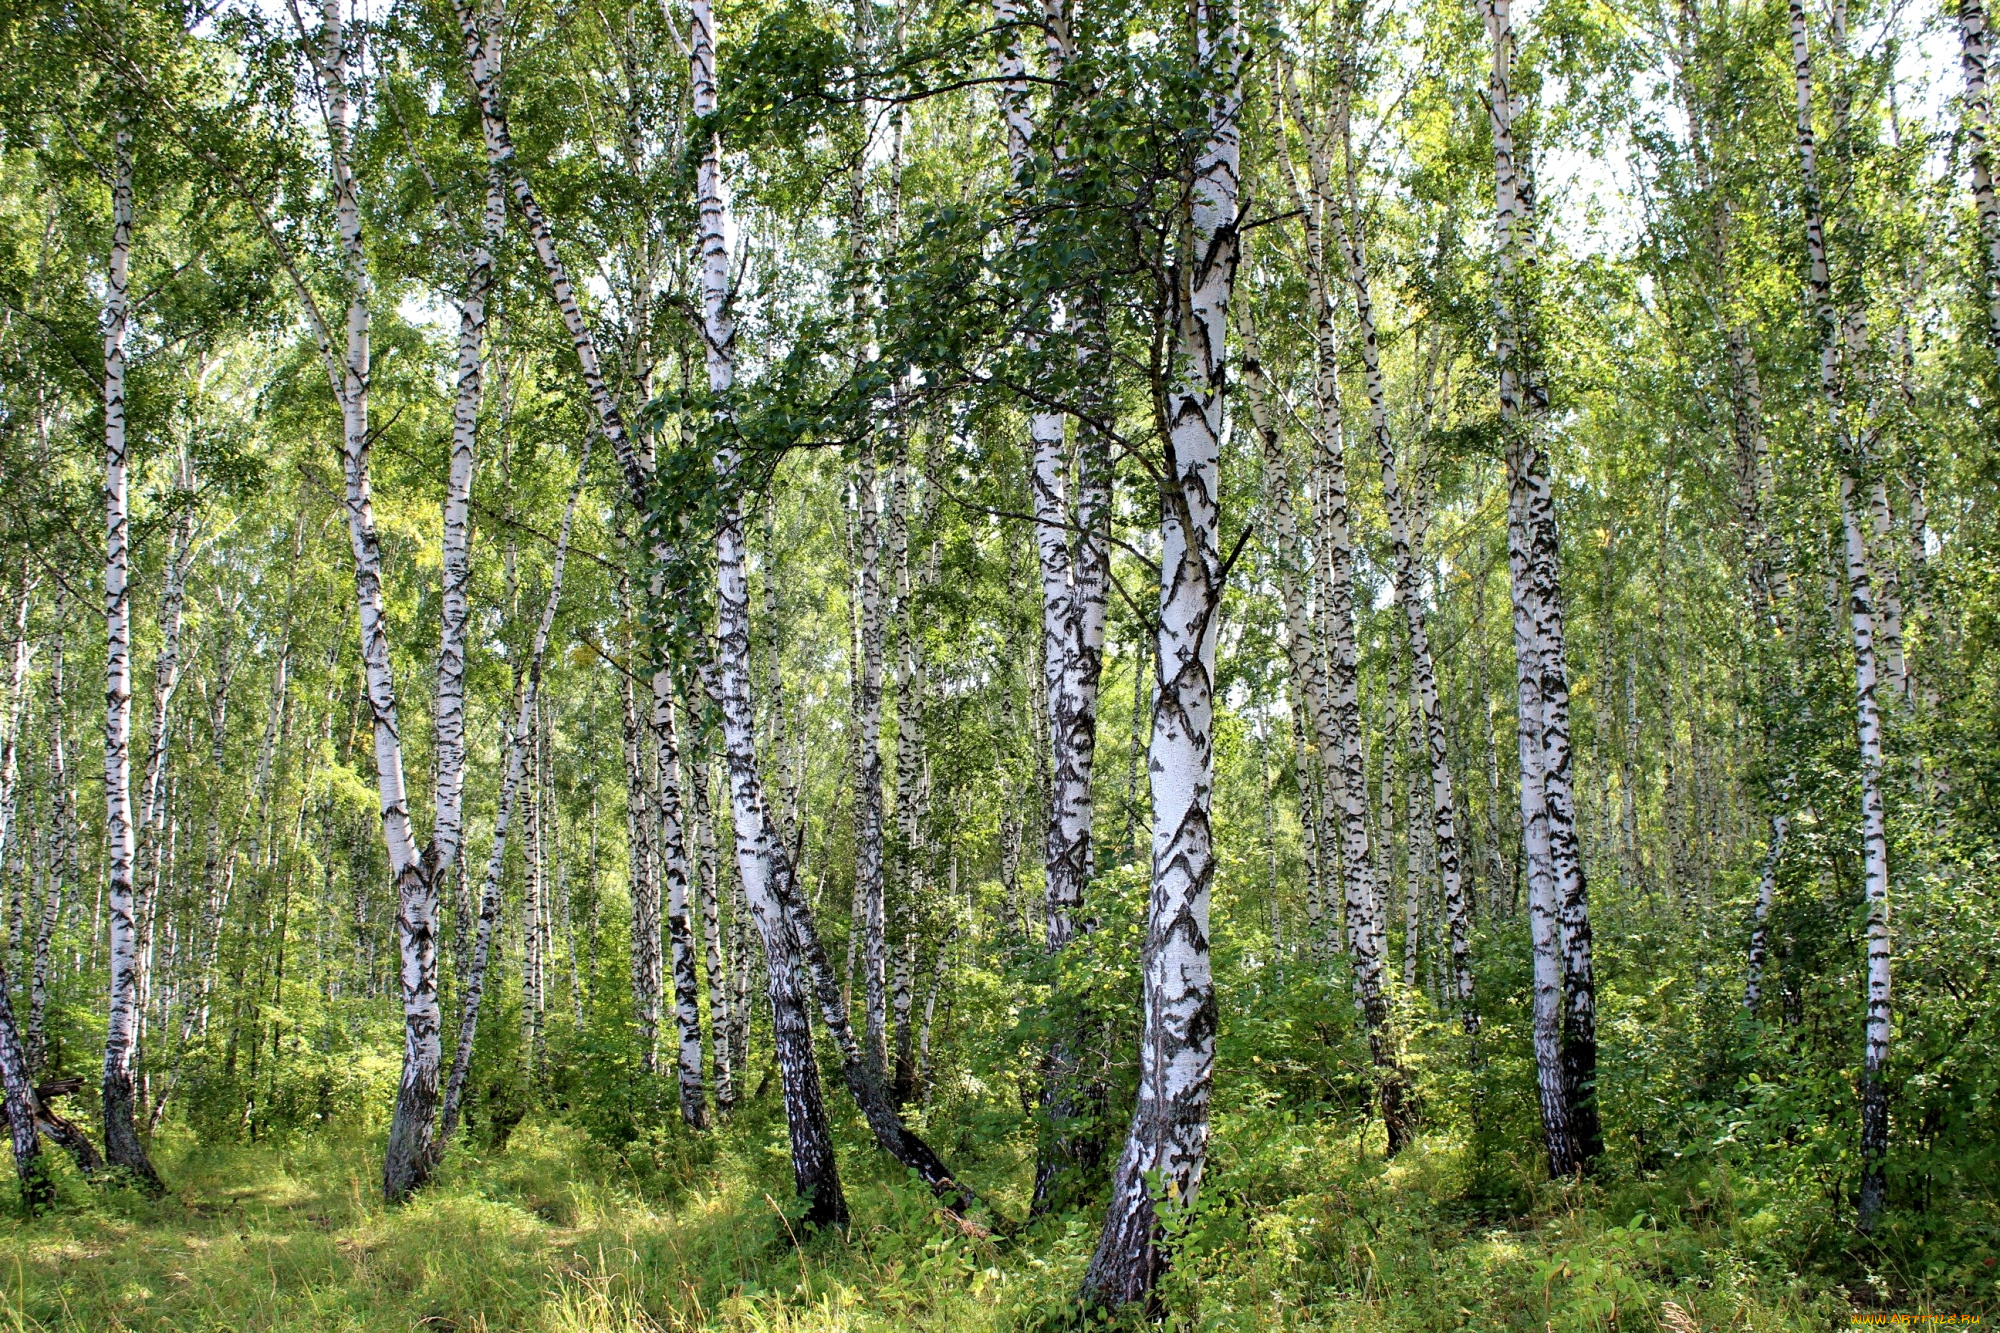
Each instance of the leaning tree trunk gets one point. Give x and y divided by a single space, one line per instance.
1168 1141
121 1133
761 863
411 1127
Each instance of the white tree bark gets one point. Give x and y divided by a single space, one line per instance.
61 856
680 933
642 883
1875 867
16 1081
1564 1025
1976 53
518 738
1403 528
702 819
868 809
761 862
121 1136
1343 757
911 786
1760 930
1838 335
1167 1144
481 36
10 744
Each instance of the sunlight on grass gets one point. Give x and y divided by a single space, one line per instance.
557 1235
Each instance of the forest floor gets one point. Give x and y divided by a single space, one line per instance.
555 1233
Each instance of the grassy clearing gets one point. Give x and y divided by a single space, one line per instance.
1308 1231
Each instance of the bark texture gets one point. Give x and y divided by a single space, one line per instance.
1167 1145
121 1133
761 861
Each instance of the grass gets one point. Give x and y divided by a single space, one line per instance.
1303 1229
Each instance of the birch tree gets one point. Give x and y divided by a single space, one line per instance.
1565 1007
1844 336
1339 733
1167 1145
122 1146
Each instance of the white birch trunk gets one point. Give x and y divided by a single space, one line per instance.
1976 53
481 37
641 884
518 739
1875 867
680 934
1343 758
61 854
761 863
869 888
16 1081
1403 526
121 1136
1167 1144
1565 1037
709 905
1760 931
10 748
1837 334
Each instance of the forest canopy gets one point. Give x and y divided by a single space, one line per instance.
1252 663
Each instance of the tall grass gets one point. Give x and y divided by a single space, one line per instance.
1302 1228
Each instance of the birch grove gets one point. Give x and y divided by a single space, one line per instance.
655 559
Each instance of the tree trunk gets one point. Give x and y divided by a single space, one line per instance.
640 879
1875 869
1564 1025
868 826
1976 51
1760 930
1403 526
703 820
61 853
518 739
1072 543
121 1134
415 1136
1343 755
1838 334
1167 1144
37 1190
680 934
761 863
10 754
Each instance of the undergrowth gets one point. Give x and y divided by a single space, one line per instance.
1301 1227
